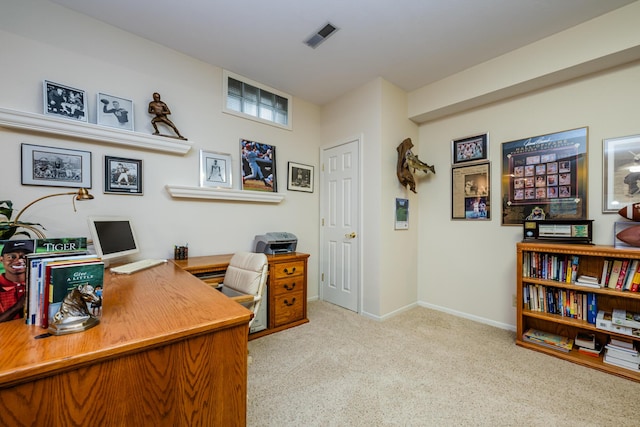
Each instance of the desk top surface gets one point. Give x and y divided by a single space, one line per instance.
145 309
221 261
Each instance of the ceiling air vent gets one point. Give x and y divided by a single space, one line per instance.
321 35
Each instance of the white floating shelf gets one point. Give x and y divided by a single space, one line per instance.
89 131
223 194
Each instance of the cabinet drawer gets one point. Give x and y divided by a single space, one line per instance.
289 269
288 308
287 286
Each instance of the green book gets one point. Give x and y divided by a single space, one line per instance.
65 277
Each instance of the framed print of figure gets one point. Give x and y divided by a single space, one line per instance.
258 166
114 112
64 101
621 172
215 169
122 176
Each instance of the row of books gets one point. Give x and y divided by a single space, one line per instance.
53 269
561 268
620 274
586 344
563 302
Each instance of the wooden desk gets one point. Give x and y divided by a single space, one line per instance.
286 286
169 351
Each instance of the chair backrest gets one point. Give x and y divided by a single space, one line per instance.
247 273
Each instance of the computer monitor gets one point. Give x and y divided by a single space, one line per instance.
113 237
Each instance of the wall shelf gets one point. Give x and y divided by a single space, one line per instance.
90 132
223 194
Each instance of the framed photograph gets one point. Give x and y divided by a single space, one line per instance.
122 176
402 214
215 169
545 177
621 172
55 167
470 149
300 177
64 101
114 112
258 166
470 192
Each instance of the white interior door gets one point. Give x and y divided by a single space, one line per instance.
340 225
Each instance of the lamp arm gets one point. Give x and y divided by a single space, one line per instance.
42 198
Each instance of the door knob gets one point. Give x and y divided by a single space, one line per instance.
351 235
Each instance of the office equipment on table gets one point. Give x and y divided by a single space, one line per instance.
113 237
157 318
276 243
247 274
136 266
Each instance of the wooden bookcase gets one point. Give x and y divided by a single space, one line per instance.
591 261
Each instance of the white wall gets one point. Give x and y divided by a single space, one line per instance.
40 40
477 276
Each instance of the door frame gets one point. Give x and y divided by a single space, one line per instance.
323 148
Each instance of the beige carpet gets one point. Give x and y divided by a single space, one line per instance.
422 368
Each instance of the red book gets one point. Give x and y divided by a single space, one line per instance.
623 272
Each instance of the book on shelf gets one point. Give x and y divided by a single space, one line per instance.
625 318
586 340
604 276
623 273
589 281
635 283
547 339
592 308
591 352
622 344
615 273
604 321
631 272
608 358
64 277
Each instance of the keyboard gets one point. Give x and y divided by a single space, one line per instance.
132 267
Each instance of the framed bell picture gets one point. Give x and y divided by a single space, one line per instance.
621 172
545 177
122 176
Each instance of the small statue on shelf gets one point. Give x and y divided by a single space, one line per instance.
161 110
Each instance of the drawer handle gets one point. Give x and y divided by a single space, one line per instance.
289 304
290 288
292 271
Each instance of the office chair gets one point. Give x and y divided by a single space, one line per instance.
247 273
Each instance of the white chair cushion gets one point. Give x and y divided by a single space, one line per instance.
245 271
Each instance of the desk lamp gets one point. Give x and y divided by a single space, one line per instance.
81 194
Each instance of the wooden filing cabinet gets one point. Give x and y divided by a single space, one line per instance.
286 286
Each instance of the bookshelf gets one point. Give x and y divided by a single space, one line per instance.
591 261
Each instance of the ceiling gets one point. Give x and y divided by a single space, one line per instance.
409 43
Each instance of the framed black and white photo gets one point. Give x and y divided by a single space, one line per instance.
470 149
258 166
122 176
215 169
55 167
470 192
300 177
64 101
621 172
114 112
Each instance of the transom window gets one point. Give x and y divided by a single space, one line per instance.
254 101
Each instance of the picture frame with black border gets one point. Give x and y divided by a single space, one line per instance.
300 177
64 101
620 172
115 112
471 149
545 177
215 169
470 192
55 167
123 176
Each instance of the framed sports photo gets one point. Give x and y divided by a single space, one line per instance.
621 172
471 149
114 112
64 101
300 177
545 177
55 167
470 193
122 176
258 166
215 169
